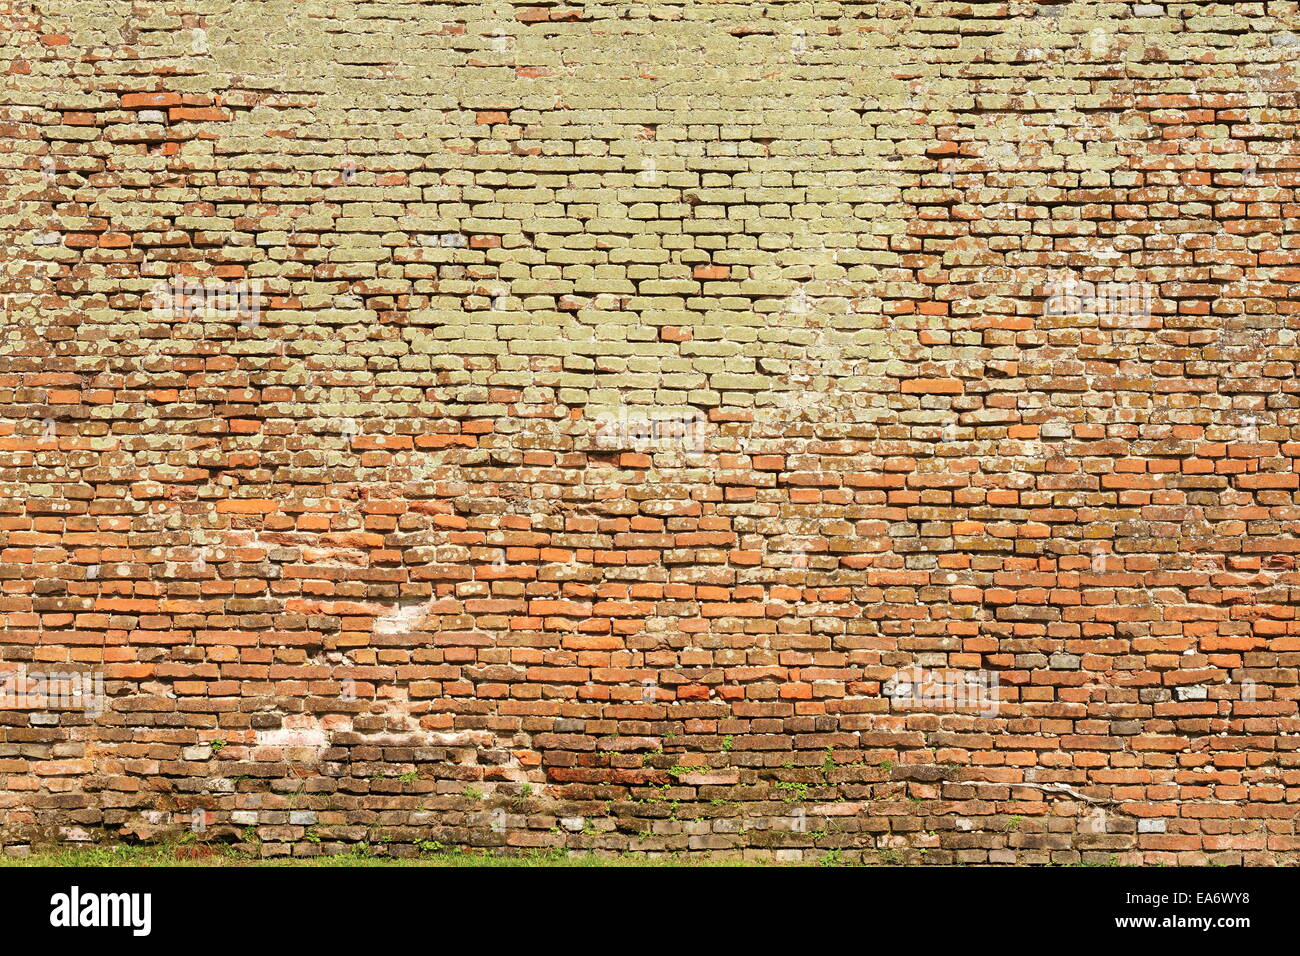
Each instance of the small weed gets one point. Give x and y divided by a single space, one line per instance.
797 791
680 771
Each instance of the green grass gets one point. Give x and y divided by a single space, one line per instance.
226 857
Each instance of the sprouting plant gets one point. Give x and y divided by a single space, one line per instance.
217 746
680 770
1012 823
727 741
797 791
660 792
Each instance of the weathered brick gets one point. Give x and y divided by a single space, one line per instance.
582 440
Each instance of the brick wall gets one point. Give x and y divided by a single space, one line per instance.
863 429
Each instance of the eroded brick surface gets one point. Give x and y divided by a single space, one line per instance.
605 425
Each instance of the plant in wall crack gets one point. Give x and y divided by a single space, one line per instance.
792 790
